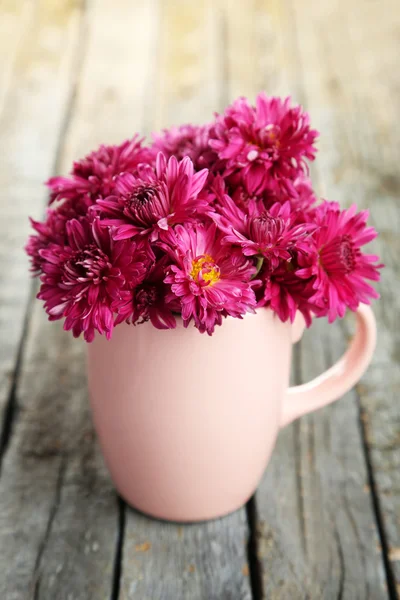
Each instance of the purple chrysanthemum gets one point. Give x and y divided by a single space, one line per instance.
210 279
155 199
93 176
186 140
151 300
339 267
86 280
206 222
266 144
270 234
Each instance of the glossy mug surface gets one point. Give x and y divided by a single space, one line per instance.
187 422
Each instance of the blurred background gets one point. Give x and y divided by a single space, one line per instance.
77 73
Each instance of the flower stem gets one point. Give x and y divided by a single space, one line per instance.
259 264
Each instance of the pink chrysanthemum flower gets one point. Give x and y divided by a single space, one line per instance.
93 176
149 302
339 267
211 280
187 140
284 292
302 203
208 222
305 198
267 144
270 234
240 195
87 279
155 199
51 231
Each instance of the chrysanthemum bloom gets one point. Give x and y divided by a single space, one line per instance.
149 301
209 221
302 203
270 234
155 199
339 267
305 198
211 279
51 231
93 176
87 279
284 292
267 144
239 194
187 140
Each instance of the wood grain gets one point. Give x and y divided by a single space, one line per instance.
58 511
191 561
325 520
316 534
36 99
353 94
164 560
188 85
59 523
114 95
15 19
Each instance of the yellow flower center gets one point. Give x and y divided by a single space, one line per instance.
272 135
206 267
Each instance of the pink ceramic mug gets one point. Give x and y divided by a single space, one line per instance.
187 422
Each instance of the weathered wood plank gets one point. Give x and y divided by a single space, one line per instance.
58 512
115 91
316 524
257 56
188 81
165 560
316 534
15 17
59 523
361 165
37 96
161 560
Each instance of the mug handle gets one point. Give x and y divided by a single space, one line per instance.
340 378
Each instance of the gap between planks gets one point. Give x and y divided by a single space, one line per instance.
390 577
11 409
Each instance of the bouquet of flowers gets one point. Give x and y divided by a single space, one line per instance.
204 223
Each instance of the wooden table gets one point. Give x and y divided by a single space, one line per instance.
325 522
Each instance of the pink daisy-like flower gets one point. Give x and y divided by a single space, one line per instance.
93 176
51 231
155 199
149 302
305 198
339 267
240 195
270 234
187 140
210 279
302 203
208 222
86 280
267 144
284 292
